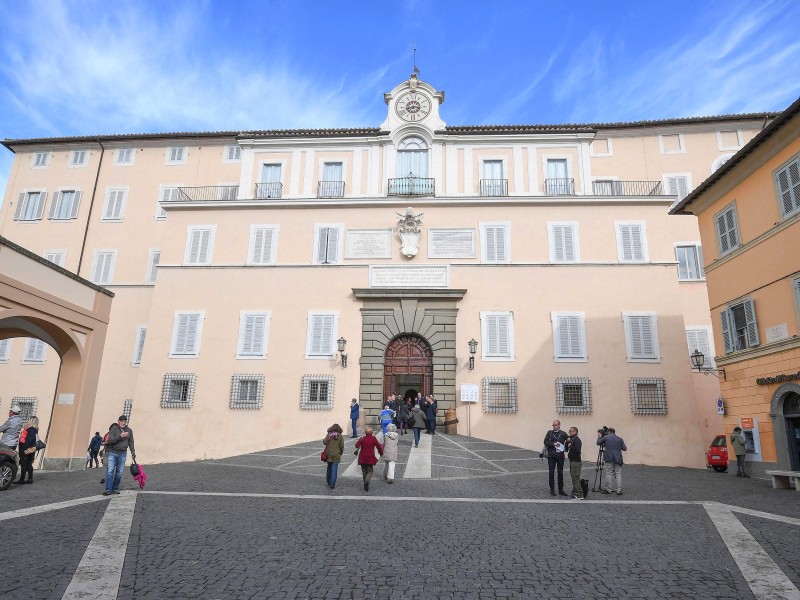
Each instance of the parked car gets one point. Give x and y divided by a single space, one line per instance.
717 454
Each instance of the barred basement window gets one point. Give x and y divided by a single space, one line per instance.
648 396
247 391
127 407
27 406
573 395
316 392
499 395
178 390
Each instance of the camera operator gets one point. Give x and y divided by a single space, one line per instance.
554 441
613 447
574 454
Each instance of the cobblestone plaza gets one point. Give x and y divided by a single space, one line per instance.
474 520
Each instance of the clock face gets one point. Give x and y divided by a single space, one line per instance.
413 106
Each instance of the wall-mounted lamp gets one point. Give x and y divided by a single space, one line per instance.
698 358
341 343
473 348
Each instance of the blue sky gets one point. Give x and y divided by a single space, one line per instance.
92 67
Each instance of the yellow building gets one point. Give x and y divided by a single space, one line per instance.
240 260
749 216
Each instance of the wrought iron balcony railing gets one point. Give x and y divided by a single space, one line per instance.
330 189
494 187
208 193
626 188
564 186
411 186
273 189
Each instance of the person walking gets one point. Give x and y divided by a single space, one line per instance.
94 449
554 441
740 448
614 446
430 411
120 438
390 452
574 454
418 418
402 416
367 460
354 414
334 448
27 450
104 452
387 414
11 428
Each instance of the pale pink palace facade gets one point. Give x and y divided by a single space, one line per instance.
241 262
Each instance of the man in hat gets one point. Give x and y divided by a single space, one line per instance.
11 428
120 438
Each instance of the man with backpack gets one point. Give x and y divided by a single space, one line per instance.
120 438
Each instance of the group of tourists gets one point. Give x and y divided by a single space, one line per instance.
22 436
408 414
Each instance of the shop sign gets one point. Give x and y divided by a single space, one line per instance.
778 378
747 422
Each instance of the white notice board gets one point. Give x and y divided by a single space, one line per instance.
469 392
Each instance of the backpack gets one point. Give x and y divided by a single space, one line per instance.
585 487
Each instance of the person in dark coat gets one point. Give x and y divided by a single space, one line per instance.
120 440
554 441
613 447
94 449
27 450
366 455
430 412
334 448
354 414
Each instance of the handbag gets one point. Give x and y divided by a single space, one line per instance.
134 469
411 420
324 456
40 445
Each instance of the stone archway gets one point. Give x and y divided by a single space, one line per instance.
43 301
408 364
425 314
783 399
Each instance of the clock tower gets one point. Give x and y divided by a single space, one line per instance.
413 103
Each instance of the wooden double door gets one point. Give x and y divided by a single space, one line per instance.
408 367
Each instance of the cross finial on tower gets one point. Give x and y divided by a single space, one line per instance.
416 70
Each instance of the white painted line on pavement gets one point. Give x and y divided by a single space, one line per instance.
419 460
766 579
45 508
98 573
763 515
476 454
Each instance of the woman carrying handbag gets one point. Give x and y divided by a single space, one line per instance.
27 449
334 448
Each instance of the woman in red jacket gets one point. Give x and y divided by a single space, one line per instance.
366 456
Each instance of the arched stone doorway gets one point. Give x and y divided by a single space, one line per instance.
791 414
408 367
43 301
785 413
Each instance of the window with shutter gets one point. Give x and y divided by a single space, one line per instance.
64 205
103 264
78 158
690 262
30 206
739 327
5 350
199 244
631 242
123 156
328 242
34 351
495 238
641 333
497 330
563 238
152 265
253 334
186 334
677 185
55 256
233 153
263 243
698 339
114 208
41 159
176 155
321 334
727 229
787 180
569 338
138 347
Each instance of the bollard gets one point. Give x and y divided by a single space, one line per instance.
450 422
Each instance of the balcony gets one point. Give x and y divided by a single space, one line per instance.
208 193
494 187
273 189
330 189
564 186
411 186
626 188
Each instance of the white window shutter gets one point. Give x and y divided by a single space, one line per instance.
5 346
333 245
54 204
700 264
21 202
641 336
139 345
495 243
752 328
40 206
198 253
152 270
262 246
321 334
727 329
186 335
76 202
788 180
492 341
498 343
697 339
632 243
35 350
569 341
253 335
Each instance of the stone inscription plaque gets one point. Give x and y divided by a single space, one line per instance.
410 277
369 243
451 243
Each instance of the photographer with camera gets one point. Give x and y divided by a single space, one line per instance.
613 446
555 441
574 454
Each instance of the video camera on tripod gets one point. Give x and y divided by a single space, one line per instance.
602 432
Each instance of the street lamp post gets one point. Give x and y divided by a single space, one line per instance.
341 343
698 359
473 347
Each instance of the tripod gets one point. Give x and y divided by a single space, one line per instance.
598 468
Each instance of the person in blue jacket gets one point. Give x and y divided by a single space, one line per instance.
387 414
354 416
94 450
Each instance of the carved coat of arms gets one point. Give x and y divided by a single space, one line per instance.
409 228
